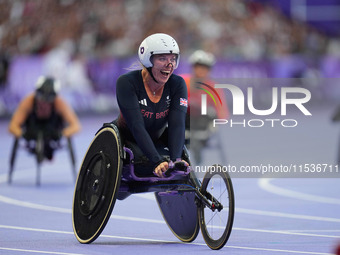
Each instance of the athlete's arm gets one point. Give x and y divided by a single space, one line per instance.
69 116
176 123
20 115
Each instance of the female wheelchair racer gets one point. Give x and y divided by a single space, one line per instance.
142 151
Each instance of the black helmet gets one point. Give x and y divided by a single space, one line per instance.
47 89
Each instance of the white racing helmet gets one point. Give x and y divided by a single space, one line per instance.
157 44
203 58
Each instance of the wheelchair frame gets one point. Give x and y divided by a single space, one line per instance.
39 156
107 174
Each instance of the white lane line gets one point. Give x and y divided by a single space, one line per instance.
314 230
36 251
265 184
277 250
284 232
160 241
36 229
21 203
151 196
238 210
286 215
71 233
138 219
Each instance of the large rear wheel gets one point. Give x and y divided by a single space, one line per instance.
97 186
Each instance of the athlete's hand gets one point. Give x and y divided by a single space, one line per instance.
182 160
161 168
185 163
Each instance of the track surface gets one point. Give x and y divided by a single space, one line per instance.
273 215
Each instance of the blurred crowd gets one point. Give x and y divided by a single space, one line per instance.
233 29
86 44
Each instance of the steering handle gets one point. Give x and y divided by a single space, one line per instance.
178 165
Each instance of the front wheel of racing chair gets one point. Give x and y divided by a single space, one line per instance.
216 222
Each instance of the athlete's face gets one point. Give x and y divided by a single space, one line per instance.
43 109
201 71
163 66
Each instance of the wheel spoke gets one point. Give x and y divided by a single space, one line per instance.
214 214
217 225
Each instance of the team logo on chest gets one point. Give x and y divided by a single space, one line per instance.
168 101
143 102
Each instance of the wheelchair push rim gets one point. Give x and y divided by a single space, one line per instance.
97 186
216 224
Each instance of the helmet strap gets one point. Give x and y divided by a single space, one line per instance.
150 72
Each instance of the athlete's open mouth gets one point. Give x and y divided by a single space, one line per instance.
165 73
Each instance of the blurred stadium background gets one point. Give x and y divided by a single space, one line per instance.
87 44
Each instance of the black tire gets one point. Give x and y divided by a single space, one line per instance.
217 185
97 186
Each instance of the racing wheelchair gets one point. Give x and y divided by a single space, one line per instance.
108 173
42 146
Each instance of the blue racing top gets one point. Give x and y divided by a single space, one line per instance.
145 121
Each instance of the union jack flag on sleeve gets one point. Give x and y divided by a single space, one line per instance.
183 102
